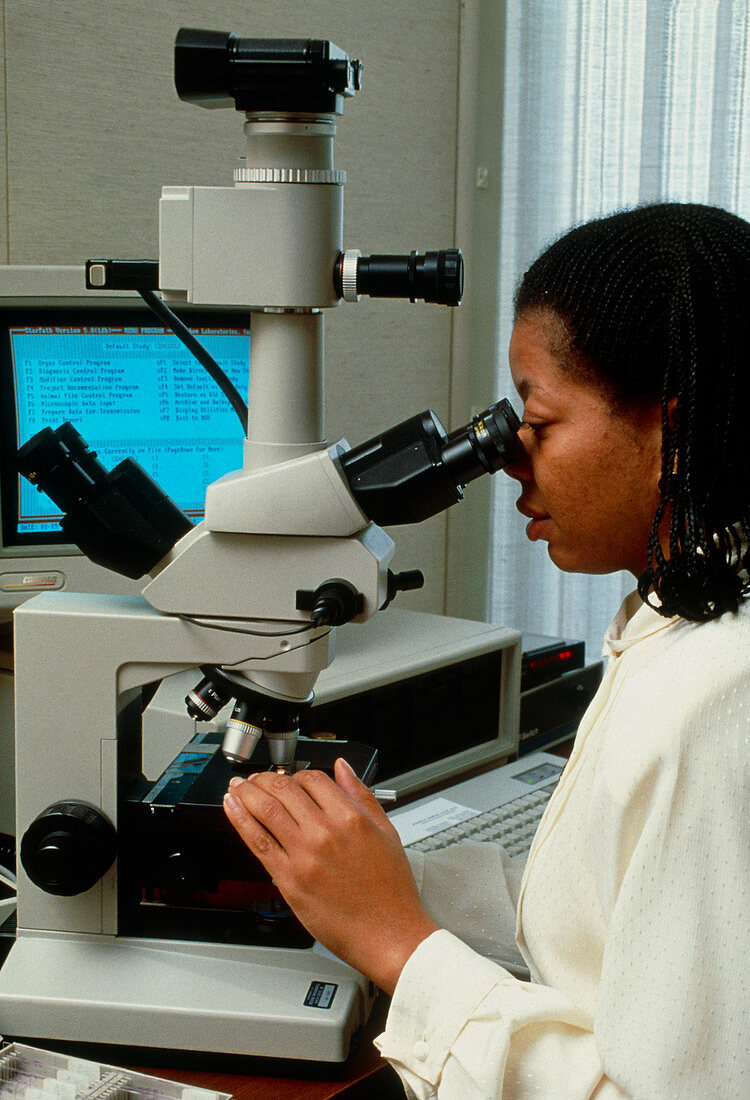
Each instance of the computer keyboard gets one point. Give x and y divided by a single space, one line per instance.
512 824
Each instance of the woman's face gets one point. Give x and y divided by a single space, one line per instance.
589 479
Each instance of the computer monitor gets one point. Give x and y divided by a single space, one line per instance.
129 386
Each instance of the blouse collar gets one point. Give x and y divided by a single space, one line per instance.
634 621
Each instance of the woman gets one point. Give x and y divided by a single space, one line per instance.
629 350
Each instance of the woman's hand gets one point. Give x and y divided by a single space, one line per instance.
338 862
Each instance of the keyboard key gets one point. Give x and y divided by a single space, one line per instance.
512 824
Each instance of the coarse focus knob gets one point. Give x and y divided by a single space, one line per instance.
68 848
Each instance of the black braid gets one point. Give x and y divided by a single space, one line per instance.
655 304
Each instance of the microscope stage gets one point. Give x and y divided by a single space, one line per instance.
184 873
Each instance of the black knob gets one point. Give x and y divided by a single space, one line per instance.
182 872
68 847
334 602
407 581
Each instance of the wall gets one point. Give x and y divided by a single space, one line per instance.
477 343
93 128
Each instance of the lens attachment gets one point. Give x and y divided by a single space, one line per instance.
415 470
435 277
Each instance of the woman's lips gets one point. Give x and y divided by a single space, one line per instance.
535 528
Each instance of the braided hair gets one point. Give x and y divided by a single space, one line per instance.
655 306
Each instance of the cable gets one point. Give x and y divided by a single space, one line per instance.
173 322
255 633
7 878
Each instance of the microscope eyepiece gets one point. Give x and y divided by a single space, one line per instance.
486 444
61 464
415 470
434 277
121 519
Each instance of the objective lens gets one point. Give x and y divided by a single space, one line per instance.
206 699
282 735
244 731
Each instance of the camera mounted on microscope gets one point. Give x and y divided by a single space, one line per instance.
218 69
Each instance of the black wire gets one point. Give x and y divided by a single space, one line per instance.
255 633
172 321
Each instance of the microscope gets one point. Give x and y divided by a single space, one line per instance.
139 920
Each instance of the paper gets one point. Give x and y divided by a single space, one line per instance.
440 813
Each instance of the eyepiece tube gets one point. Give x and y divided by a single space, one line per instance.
434 277
121 519
415 470
489 442
60 463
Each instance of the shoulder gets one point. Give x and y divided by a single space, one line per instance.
684 664
680 705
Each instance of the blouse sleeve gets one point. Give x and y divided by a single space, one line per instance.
667 844
461 1027
471 889
455 1010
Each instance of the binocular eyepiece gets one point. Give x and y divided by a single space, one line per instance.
120 519
415 470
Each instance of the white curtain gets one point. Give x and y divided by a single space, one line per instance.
607 104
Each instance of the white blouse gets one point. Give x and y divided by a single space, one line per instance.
633 913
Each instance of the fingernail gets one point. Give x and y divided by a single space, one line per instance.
231 802
236 780
348 766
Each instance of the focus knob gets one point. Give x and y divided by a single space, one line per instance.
68 847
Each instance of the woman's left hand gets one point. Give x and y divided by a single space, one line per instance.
338 863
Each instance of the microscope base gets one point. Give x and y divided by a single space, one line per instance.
203 998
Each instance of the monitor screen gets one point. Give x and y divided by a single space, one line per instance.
132 389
